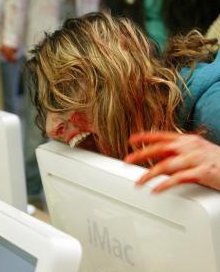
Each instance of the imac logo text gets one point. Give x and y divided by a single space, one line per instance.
100 237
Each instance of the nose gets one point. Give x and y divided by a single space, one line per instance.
55 126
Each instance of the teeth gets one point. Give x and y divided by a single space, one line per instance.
78 139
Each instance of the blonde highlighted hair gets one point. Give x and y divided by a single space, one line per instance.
107 68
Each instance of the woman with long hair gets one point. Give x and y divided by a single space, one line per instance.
99 80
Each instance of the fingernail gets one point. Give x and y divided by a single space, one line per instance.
128 159
155 191
137 186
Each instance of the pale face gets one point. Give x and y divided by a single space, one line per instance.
72 128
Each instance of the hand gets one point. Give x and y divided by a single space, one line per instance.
9 53
185 158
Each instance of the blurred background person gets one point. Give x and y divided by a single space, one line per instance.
12 22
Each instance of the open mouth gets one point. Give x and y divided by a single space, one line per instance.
75 141
85 141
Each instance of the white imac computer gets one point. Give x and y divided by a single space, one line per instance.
12 174
124 229
30 245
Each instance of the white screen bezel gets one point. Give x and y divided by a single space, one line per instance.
53 249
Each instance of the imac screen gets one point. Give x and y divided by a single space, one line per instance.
12 258
92 197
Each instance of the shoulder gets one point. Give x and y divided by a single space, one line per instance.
202 77
201 107
207 112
